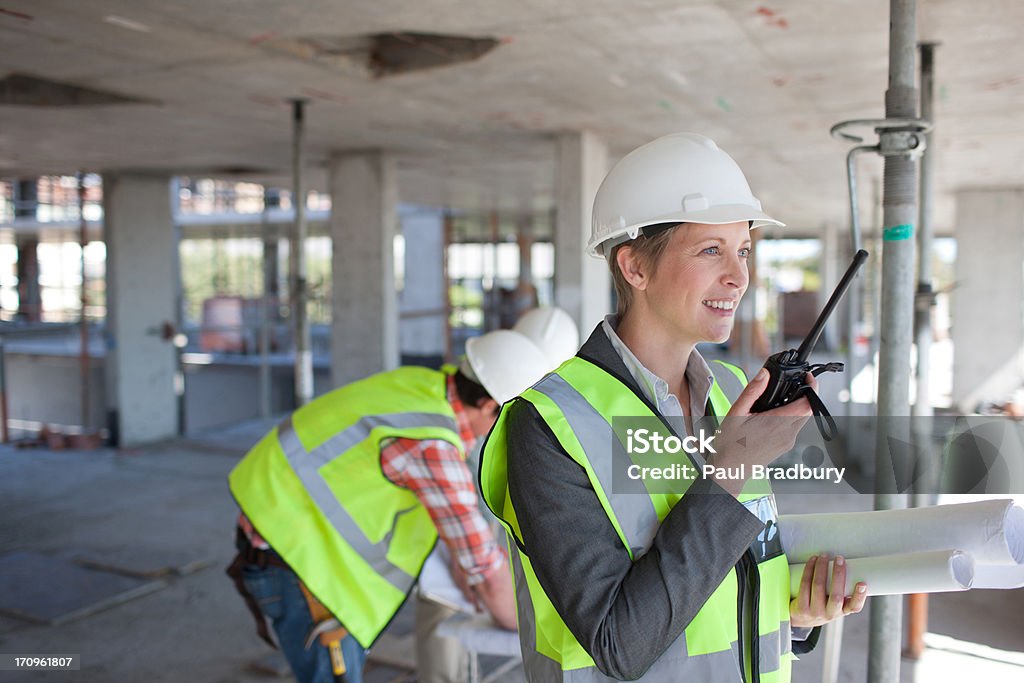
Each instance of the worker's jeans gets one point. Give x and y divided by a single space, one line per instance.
277 591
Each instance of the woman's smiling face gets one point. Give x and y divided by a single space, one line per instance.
698 281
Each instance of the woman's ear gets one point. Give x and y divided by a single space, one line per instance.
632 268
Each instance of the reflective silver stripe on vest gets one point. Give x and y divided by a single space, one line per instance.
307 464
727 381
360 430
537 667
771 649
633 507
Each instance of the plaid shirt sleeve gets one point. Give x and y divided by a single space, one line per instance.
434 471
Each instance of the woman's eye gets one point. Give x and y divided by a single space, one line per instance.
745 253
711 251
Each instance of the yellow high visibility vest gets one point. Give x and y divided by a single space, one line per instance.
314 489
578 402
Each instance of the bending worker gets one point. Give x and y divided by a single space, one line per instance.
441 659
626 580
343 501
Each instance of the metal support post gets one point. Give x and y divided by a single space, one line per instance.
832 634
899 206
925 299
492 316
83 323
926 482
268 253
856 289
449 231
297 255
5 435
179 339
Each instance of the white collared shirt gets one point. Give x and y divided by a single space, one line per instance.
698 376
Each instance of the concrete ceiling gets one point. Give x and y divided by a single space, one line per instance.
765 79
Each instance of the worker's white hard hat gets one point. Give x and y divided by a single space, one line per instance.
506 363
553 331
678 178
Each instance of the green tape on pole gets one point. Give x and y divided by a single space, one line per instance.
898 232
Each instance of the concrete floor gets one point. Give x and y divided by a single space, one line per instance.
173 498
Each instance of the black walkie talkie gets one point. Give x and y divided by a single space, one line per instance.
788 369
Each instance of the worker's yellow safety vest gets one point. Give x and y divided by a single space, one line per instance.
314 489
578 402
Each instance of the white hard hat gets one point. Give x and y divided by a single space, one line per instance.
553 331
506 363
678 178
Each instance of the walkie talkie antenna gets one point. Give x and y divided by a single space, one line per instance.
812 337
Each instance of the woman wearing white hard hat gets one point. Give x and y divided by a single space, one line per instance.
621 576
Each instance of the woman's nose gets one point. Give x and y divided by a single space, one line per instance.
736 275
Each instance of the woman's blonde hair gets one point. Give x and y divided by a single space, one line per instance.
648 251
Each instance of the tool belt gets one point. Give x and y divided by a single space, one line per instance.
322 618
329 631
249 555
326 628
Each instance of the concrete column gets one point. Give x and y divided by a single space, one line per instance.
364 309
26 198
582 283
30 301
988 313
140 365
422 304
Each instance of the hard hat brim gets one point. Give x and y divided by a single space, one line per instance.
716 215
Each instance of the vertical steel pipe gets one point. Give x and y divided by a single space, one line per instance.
925 237
264 346
927 481
899 215
5 435
854 296
297 256
449 232
83 323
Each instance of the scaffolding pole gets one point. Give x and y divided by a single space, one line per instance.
899 214
83 322
265 306
854 295
297 257
926 483
925 300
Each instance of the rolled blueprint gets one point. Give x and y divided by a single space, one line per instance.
991 531
998 576
938 571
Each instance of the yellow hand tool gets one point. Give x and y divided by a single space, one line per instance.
328 630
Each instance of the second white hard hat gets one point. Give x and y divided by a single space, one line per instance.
677 178
506 363
553 331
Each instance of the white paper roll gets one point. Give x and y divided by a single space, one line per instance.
939 571
436 583
991 531
998 576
